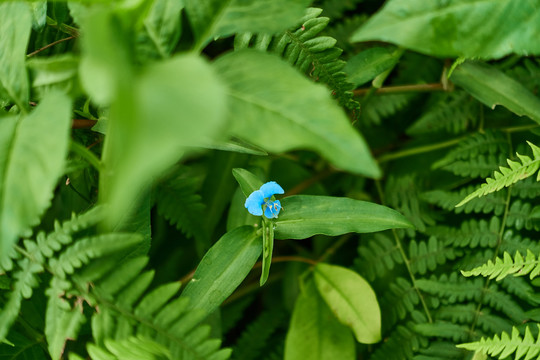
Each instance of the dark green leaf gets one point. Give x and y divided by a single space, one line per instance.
303 216
368 64
469 28
492 87
273 106
223 268
215 18
248 182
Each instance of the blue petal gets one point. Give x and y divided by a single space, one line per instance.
272 209
271 188
254 203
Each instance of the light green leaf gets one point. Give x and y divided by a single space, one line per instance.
15 26
351 299
315 333
275 107
303 216
368 64
268 249
223 268
55 72
468 28
32 156
216 18
148 134
162 29
248 182
492 87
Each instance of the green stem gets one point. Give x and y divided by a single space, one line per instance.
406 261
86 154
419 150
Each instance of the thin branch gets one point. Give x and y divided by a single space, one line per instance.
403 88
49 45
83 123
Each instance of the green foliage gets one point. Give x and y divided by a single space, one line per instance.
132 134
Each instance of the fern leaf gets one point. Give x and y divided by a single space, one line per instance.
509 175
523 215
500 268
443 329
454 112
505 345
448 200
471 233
378 256
489 142
137 347
380 107
478 166
311 53
527 189
428 255
399 300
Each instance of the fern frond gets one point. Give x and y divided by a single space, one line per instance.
311 53
380 107
509 175
513 242
492 203
506 345
523 215
440 350
399 300
159 315
500 268
468 313
403 341
377 256
527 189
471 233
444 329
478 166
177 200
255 337
137 348
428 255
489 142
454 112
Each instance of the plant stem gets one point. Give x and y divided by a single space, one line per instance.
87 155
419 150
407 262
49 45
402 89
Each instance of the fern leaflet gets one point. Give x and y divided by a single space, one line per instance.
500 268
505 345
508 176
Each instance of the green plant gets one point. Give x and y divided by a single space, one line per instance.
132 133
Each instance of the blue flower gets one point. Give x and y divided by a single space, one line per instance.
260 199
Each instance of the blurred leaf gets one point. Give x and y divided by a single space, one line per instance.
351 299
273 106
315 333
55 72
369 63
162 29
22 349
39 14
15 26
303 216
248 181
223 268
215 18
469 28
492 87
174 104
32 157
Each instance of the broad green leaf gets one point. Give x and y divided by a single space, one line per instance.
162 29
15 26
314 332
368 64
275 107
303 216
248 181
216 18
32 156
55 72
223 268
492 87
351 299
468 28
148 134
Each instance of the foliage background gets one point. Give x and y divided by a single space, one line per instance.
132 131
